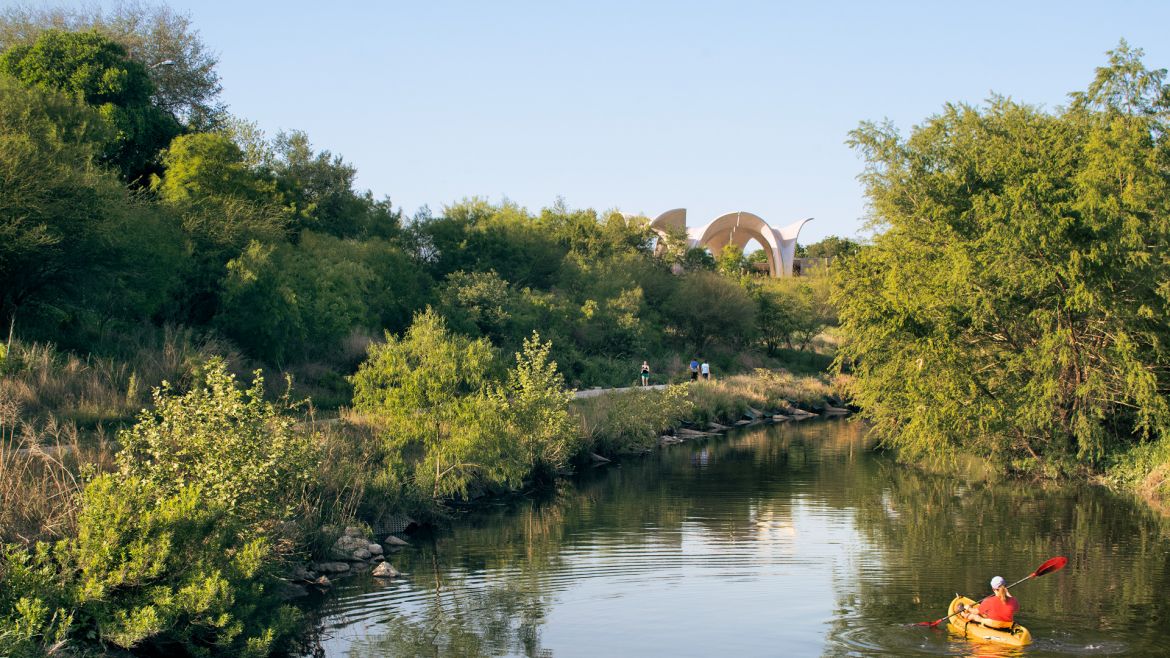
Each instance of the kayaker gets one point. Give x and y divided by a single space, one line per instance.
997 610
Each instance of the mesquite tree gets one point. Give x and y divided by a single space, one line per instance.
1015 299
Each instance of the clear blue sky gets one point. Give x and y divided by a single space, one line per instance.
644 106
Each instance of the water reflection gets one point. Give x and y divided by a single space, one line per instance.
790 540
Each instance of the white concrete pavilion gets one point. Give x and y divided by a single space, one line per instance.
737 228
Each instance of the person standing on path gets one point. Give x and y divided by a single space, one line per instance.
645 374
706 369
694 370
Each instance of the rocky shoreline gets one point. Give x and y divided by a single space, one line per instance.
353 553
794 412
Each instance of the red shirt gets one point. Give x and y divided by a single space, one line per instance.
993 609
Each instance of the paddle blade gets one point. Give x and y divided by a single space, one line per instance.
1055 564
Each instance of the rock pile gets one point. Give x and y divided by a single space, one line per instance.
352 553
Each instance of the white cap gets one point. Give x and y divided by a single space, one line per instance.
997 582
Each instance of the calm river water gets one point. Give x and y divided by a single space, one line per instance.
784 540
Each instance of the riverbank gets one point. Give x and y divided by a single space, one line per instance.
219 488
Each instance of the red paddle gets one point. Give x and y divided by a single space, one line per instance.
1055 564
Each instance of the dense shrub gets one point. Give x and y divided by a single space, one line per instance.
234 445
454 420
146 569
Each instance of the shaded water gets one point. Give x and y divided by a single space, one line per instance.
793 540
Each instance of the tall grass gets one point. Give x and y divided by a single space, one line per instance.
618 423
110 387
41 469
631 421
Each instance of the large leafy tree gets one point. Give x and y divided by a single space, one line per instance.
707 307
180 65
98 71
1014 300
59 217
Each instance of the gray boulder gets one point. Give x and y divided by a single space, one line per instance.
292 591
299 573
331 567
384 570
351 548
394 541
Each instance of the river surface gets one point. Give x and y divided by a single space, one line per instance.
781 540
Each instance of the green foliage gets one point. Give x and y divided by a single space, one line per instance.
537 417
475 236
452 422
832 247
233 445
180 65
60 214
157 568
631 421
698 258
209 165
733 263
172 550
792 309
1013 300
34 605
279 300
98 71
476 304
707 307
146 568
432 388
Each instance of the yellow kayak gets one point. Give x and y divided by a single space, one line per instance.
1016 636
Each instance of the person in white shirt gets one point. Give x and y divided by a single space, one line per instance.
706 370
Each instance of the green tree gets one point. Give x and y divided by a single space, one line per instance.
180 65
59 216
792 310
708 307
699 259
283 301
476 304
454 420
233 444
210 165
433 390
733 263
1013 301
537 416
832 247
98 71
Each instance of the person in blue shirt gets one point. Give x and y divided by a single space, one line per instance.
694 370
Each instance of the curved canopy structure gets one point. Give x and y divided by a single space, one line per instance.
737 228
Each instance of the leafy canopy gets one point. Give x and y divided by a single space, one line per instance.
1014 300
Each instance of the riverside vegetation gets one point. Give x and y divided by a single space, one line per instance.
1014 300
159 255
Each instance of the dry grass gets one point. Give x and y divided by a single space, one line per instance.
726 398
40 475
88 391
618 423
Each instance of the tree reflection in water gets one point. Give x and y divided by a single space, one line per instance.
646 555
